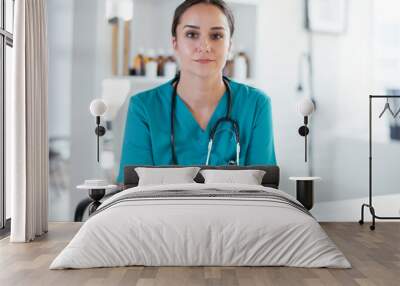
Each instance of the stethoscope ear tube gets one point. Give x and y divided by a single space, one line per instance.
210 143
227 118
237 153
172 135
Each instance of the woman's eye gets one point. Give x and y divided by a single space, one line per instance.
217 36
191 35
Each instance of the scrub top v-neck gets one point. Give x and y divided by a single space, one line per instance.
148 130
183 112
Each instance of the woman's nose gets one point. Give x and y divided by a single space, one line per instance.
204 46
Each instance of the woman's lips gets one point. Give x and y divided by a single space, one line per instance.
204 61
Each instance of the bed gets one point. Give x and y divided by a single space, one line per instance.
201 224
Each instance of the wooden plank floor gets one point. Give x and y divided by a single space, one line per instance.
374 255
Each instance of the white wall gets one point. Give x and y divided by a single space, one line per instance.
60 15
60 37
342 87
73 83
85 87
343 80
281 41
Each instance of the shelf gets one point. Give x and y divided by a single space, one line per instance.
153 82
142 79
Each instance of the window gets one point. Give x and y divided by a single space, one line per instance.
6 44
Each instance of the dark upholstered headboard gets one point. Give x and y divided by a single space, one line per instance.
271 177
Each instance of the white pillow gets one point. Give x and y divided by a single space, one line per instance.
248 177
163 176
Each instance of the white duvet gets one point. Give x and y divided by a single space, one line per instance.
176 231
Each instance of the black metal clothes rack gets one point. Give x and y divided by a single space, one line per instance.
369 205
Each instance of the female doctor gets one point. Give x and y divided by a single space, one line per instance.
199 117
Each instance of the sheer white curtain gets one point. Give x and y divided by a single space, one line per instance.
27 150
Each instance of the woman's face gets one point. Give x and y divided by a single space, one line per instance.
202 40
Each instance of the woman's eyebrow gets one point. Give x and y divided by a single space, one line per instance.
217 28
191 26
197 27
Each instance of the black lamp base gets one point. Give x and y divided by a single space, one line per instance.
305 193
96 195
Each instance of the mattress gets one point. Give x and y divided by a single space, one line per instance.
201 225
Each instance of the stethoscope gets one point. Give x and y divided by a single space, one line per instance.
227 118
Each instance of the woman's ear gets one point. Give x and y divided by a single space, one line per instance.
174 43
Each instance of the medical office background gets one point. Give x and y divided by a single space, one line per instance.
347 66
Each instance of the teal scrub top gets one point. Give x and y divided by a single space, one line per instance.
148 130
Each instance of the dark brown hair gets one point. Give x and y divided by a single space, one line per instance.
220 4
